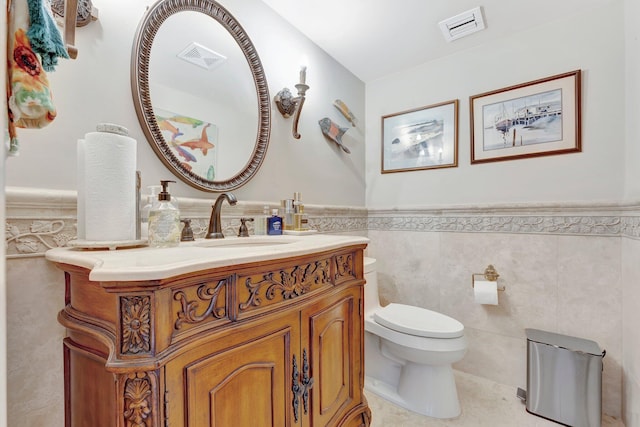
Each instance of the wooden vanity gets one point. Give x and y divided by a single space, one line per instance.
269 337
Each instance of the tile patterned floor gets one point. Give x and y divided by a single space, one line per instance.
484 404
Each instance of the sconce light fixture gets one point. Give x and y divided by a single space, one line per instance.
290 106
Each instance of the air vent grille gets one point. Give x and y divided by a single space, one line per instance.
463 24
201 56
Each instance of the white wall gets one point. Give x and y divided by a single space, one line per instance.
632 91
96 88
591 40
631 248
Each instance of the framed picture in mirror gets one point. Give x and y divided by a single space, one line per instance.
193 141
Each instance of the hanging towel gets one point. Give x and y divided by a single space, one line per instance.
29 97
44 34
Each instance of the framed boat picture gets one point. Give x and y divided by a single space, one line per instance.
537 118
422 138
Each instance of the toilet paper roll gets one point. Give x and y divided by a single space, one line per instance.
109 187
485 292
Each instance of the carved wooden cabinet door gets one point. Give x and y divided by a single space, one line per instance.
239 379
333 330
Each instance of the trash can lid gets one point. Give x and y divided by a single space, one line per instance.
567 342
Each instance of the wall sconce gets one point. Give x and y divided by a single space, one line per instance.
290 106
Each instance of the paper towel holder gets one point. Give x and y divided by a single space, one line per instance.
490 274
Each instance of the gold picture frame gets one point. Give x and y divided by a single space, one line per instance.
422 138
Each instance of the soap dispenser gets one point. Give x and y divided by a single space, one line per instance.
164 220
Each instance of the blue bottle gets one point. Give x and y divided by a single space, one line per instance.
274 223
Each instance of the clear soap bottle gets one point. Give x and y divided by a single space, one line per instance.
260 224
164 221
287 214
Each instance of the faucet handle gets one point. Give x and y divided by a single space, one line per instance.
187 232
244 231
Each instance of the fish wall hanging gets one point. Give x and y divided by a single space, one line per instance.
334 132
346 112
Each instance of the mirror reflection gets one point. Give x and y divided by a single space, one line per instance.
201 94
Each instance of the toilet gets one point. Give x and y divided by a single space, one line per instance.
409 352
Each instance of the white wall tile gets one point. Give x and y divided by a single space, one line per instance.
630 333
563 284
35 375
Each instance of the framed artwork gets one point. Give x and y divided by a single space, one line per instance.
192 141
537 118
423 138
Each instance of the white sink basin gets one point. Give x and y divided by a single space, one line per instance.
246 242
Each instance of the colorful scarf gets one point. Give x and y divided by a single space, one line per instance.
44 35
29 98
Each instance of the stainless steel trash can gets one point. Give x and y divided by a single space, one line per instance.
564 378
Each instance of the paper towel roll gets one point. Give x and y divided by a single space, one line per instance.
82 234
109 185
485 292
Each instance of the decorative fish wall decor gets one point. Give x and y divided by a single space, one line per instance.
346 112
334 132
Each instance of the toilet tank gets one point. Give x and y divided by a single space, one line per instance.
371 297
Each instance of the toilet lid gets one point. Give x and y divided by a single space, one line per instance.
418 321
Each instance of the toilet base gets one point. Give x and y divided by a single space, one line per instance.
438 400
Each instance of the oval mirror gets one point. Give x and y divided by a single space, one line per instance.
200 93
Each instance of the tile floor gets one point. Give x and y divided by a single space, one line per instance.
484 404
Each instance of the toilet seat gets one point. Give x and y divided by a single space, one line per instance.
418 321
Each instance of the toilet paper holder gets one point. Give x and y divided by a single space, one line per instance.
490 274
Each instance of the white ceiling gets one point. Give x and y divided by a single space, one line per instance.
374 38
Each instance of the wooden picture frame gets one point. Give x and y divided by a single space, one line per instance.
422 138
537 118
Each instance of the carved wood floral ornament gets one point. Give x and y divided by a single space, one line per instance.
136 324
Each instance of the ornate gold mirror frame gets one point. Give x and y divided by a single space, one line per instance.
140 58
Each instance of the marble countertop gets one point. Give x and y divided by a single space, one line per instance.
145 263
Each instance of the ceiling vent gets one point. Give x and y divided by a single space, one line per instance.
462 25
201 56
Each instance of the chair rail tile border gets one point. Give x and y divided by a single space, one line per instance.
38 220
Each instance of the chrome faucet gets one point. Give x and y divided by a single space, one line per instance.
215 225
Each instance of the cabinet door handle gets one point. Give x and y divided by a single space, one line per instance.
307 382
296 389
300 387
